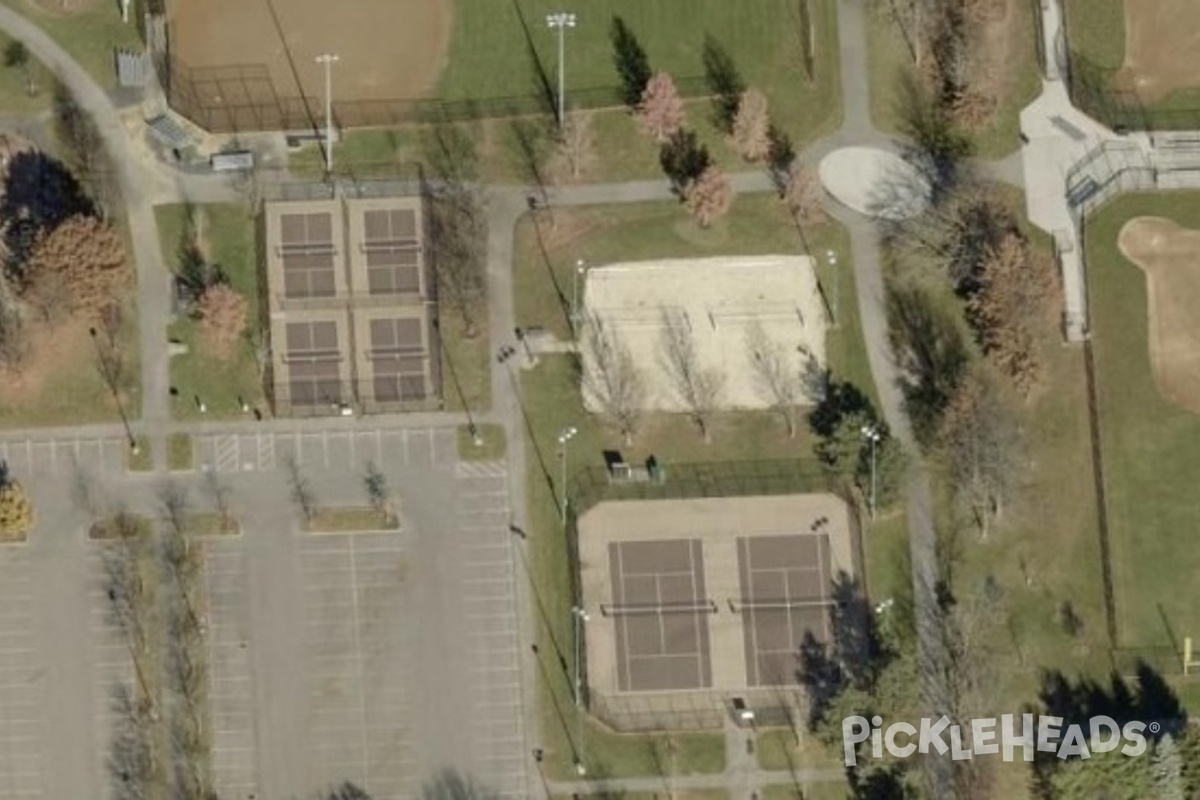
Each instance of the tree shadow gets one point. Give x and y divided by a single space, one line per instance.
544 614
853 657
931 353
559 292
543 87
39 194
1147 698
532 434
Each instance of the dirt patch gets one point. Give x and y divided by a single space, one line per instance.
1170 256
387 49
1161 38
53 349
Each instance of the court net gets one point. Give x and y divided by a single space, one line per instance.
633 609
743 604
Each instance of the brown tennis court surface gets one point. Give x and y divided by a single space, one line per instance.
387 49
785 593
661 615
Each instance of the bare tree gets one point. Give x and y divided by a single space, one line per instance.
802 194
218 493
459 243
86 152
1017 288
752 126
661 113
697 387
16 54
577 145
129 563
222 312
780 381
709 196
302 491
187 662
980 437
379 494
14 334
248 184
86 256
610 376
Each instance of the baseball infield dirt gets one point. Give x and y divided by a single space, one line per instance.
1161 38
1170 256
386 49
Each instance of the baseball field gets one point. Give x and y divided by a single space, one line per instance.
1148 45
385 48
260 52
1143 285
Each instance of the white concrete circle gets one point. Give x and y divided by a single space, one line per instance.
875 182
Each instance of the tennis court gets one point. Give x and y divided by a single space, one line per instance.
691 601
785 584
660 614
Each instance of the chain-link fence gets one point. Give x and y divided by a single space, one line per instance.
243 97
664 480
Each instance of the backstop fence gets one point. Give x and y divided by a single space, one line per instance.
1094 91
1114 167
243 97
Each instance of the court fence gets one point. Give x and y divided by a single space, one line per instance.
701 710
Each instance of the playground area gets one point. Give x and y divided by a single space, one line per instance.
386 48
1169 253
721 310
1160 38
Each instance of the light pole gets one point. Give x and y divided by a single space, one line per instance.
561 20
872 434
328 59
581 617
831 257
110 379
566 435
580 271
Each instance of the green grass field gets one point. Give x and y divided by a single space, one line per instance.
1096 29
889 58
1151 462
491 56
466 381
218 381
90 35
1045 549
766 47
15 83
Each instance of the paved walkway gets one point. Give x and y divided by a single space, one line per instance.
153 280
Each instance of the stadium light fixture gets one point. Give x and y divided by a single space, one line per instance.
561 20
872 434
328 59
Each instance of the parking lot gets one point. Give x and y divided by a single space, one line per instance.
230 698
21 723
358 640
324 450
382 658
